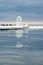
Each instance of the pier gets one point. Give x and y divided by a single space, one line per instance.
18 24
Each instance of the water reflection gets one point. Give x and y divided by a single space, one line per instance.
19 45
19 33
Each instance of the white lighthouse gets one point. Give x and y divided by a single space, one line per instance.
19 21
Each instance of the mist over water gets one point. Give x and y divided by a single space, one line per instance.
21 47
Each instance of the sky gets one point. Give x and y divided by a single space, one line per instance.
27 9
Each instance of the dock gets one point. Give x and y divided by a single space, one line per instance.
18 24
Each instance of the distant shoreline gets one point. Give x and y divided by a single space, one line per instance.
23 22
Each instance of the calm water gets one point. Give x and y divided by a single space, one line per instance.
21 47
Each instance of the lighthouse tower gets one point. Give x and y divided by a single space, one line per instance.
19 21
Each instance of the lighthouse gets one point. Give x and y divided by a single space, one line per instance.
19 21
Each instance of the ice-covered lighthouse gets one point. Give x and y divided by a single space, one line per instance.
12 25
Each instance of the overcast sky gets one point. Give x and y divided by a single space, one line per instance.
28 9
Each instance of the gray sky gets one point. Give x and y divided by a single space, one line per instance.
28 9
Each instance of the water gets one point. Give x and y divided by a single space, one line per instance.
21 47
